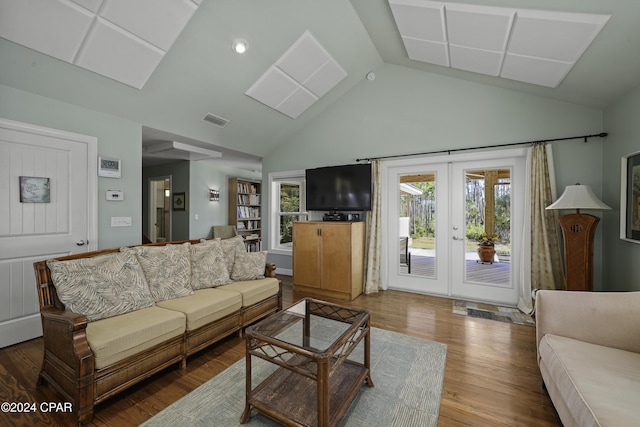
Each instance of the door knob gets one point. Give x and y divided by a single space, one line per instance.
82 242
456 238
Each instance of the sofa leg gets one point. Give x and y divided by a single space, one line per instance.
85 416
183 363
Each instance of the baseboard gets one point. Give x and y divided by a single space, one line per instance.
14 331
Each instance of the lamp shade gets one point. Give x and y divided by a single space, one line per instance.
578 197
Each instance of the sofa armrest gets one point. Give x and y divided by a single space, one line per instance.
64 335
610 319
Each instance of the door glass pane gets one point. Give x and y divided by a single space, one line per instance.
488 226
417 224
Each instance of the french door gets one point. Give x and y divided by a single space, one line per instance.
437 210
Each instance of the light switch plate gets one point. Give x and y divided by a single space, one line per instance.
121 221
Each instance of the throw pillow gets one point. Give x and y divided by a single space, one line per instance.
167 269
103 286
208 265
230 247
249 265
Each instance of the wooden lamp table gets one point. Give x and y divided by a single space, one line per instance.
316 380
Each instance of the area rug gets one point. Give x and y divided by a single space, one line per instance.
492 312
407 372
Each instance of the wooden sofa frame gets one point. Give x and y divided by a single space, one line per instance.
68 366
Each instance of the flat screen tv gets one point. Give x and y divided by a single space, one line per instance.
339 188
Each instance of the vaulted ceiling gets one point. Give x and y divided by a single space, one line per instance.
191 70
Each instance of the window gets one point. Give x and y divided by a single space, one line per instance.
287 196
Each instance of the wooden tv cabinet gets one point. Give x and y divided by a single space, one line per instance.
328 258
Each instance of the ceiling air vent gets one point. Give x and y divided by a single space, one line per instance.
213 119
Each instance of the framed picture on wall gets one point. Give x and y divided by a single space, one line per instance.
630 198
179 201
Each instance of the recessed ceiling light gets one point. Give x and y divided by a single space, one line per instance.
239 46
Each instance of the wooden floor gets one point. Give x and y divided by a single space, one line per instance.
491 377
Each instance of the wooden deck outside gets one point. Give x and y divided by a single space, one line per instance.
498 272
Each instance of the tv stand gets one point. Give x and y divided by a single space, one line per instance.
328 258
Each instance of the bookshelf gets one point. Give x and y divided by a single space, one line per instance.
245 211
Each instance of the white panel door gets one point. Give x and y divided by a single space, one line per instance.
32 231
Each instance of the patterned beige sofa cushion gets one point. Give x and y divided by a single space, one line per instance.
231 247
116 338
102 286
204 306
598 384
249 266
208 265
254 291
166 268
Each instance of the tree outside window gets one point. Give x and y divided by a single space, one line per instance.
288 195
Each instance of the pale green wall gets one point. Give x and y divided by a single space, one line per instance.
205 175
117 138
621 258
408 111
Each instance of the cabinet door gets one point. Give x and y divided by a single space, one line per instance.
306 255
336 257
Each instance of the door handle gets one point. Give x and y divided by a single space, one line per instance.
82 242
456 238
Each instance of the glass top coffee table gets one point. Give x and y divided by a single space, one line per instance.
315 379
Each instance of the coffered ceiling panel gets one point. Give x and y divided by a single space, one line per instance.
297 102
543 72
118 54
273 87
303 74
554 35
476 60
427 51
506 42
420 20
157 21
120 39
37 25
479 27
303 58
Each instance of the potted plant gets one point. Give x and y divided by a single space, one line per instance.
486 247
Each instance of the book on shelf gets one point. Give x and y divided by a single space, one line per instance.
247 187
248 212
254 246
249 199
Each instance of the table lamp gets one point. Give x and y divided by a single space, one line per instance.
578 231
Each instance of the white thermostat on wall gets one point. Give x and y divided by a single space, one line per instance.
109 168
115 195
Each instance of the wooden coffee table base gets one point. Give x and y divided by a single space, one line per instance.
292 400
310 387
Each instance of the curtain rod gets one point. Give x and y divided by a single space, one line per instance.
452 150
